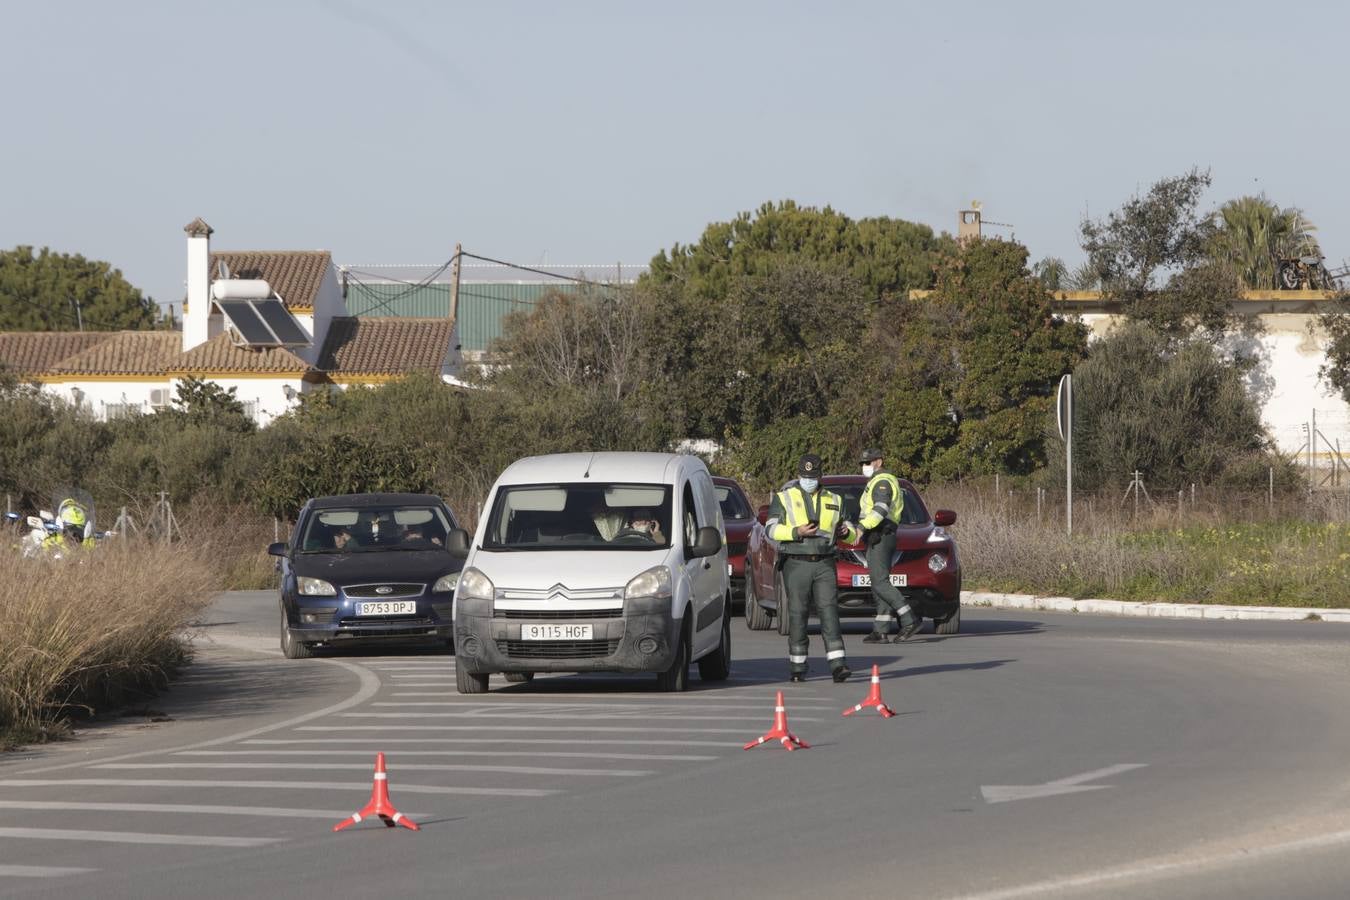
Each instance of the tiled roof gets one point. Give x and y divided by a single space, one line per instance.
36 352
125 353
294 274
220 356
385 345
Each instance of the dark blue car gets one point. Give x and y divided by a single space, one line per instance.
367 567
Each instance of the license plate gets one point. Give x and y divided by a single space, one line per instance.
387 608
866 580
730 570
547 631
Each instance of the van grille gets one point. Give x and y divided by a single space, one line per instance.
548 615
557 649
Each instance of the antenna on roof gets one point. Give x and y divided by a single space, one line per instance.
589 463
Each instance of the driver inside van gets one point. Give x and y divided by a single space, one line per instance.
643 521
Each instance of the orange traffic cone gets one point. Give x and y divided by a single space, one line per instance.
379 804
873 698
779 731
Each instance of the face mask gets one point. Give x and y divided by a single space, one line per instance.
809 484
869 470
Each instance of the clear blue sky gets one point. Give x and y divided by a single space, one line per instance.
591 132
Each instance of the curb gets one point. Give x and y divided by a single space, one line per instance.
1151 610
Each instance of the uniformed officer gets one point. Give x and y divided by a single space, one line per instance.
879 512
806 521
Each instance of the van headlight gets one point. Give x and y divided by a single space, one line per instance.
314 587
655 582
446 584
474 585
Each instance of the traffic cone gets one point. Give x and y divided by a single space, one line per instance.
379 804
779 731
873 698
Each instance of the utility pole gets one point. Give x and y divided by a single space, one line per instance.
454 283
79 316
1064 417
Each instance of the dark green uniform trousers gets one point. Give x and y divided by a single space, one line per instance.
890 602
804 580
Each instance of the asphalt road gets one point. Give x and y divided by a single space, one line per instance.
1032 755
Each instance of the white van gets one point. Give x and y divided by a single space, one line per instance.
595 562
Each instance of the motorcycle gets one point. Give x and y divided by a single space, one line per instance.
55 534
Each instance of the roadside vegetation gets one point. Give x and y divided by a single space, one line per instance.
87 633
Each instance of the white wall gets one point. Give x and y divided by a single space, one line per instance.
98 396
1285 381
264 397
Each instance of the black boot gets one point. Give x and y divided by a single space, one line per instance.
841 674
876 637
908 631
796 677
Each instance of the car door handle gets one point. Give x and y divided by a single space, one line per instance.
707 565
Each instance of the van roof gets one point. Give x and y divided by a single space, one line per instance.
644 468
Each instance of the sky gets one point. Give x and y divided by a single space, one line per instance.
592 132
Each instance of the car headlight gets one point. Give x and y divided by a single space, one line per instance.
445 584
314 587
474 584
654 582
937 562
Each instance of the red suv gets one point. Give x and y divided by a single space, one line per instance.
926 568
738 518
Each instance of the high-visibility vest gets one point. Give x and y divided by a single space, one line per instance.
871 513
830 511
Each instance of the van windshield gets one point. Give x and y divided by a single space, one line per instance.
585 516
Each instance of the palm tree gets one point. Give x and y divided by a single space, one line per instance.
1252 234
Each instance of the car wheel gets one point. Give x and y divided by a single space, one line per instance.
676 679
469 683
756 616
518 677
780 595
716 666
949 625
292 648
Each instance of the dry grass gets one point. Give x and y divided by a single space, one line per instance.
93 629
1223 548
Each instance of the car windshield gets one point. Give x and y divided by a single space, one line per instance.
915 513
732 503
375 528
580 517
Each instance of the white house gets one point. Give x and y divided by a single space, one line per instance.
272 325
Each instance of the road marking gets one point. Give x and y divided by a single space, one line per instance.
409 767
41 871
501 740
551 754
369 686
273 812
480 708
385 729
272 785
635 716
1004 793
134 837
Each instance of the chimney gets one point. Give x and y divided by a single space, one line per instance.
198 310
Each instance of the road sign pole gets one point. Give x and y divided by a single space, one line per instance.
1064 412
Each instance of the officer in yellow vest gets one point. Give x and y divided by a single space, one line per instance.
879 512
806 521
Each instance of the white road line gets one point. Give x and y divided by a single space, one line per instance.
408 767
636 718
609 742
482 709
41 871
357 786
550 754
386 729
134 837
273 812
369 686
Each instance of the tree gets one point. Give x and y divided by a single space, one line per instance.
884 255
1179 412
1335 325
60 292
1250 234
1153 257
201 402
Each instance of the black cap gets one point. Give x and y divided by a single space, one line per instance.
870 454
809 466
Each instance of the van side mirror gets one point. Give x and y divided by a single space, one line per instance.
708 542
763 514
457 542
277 549
944 517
